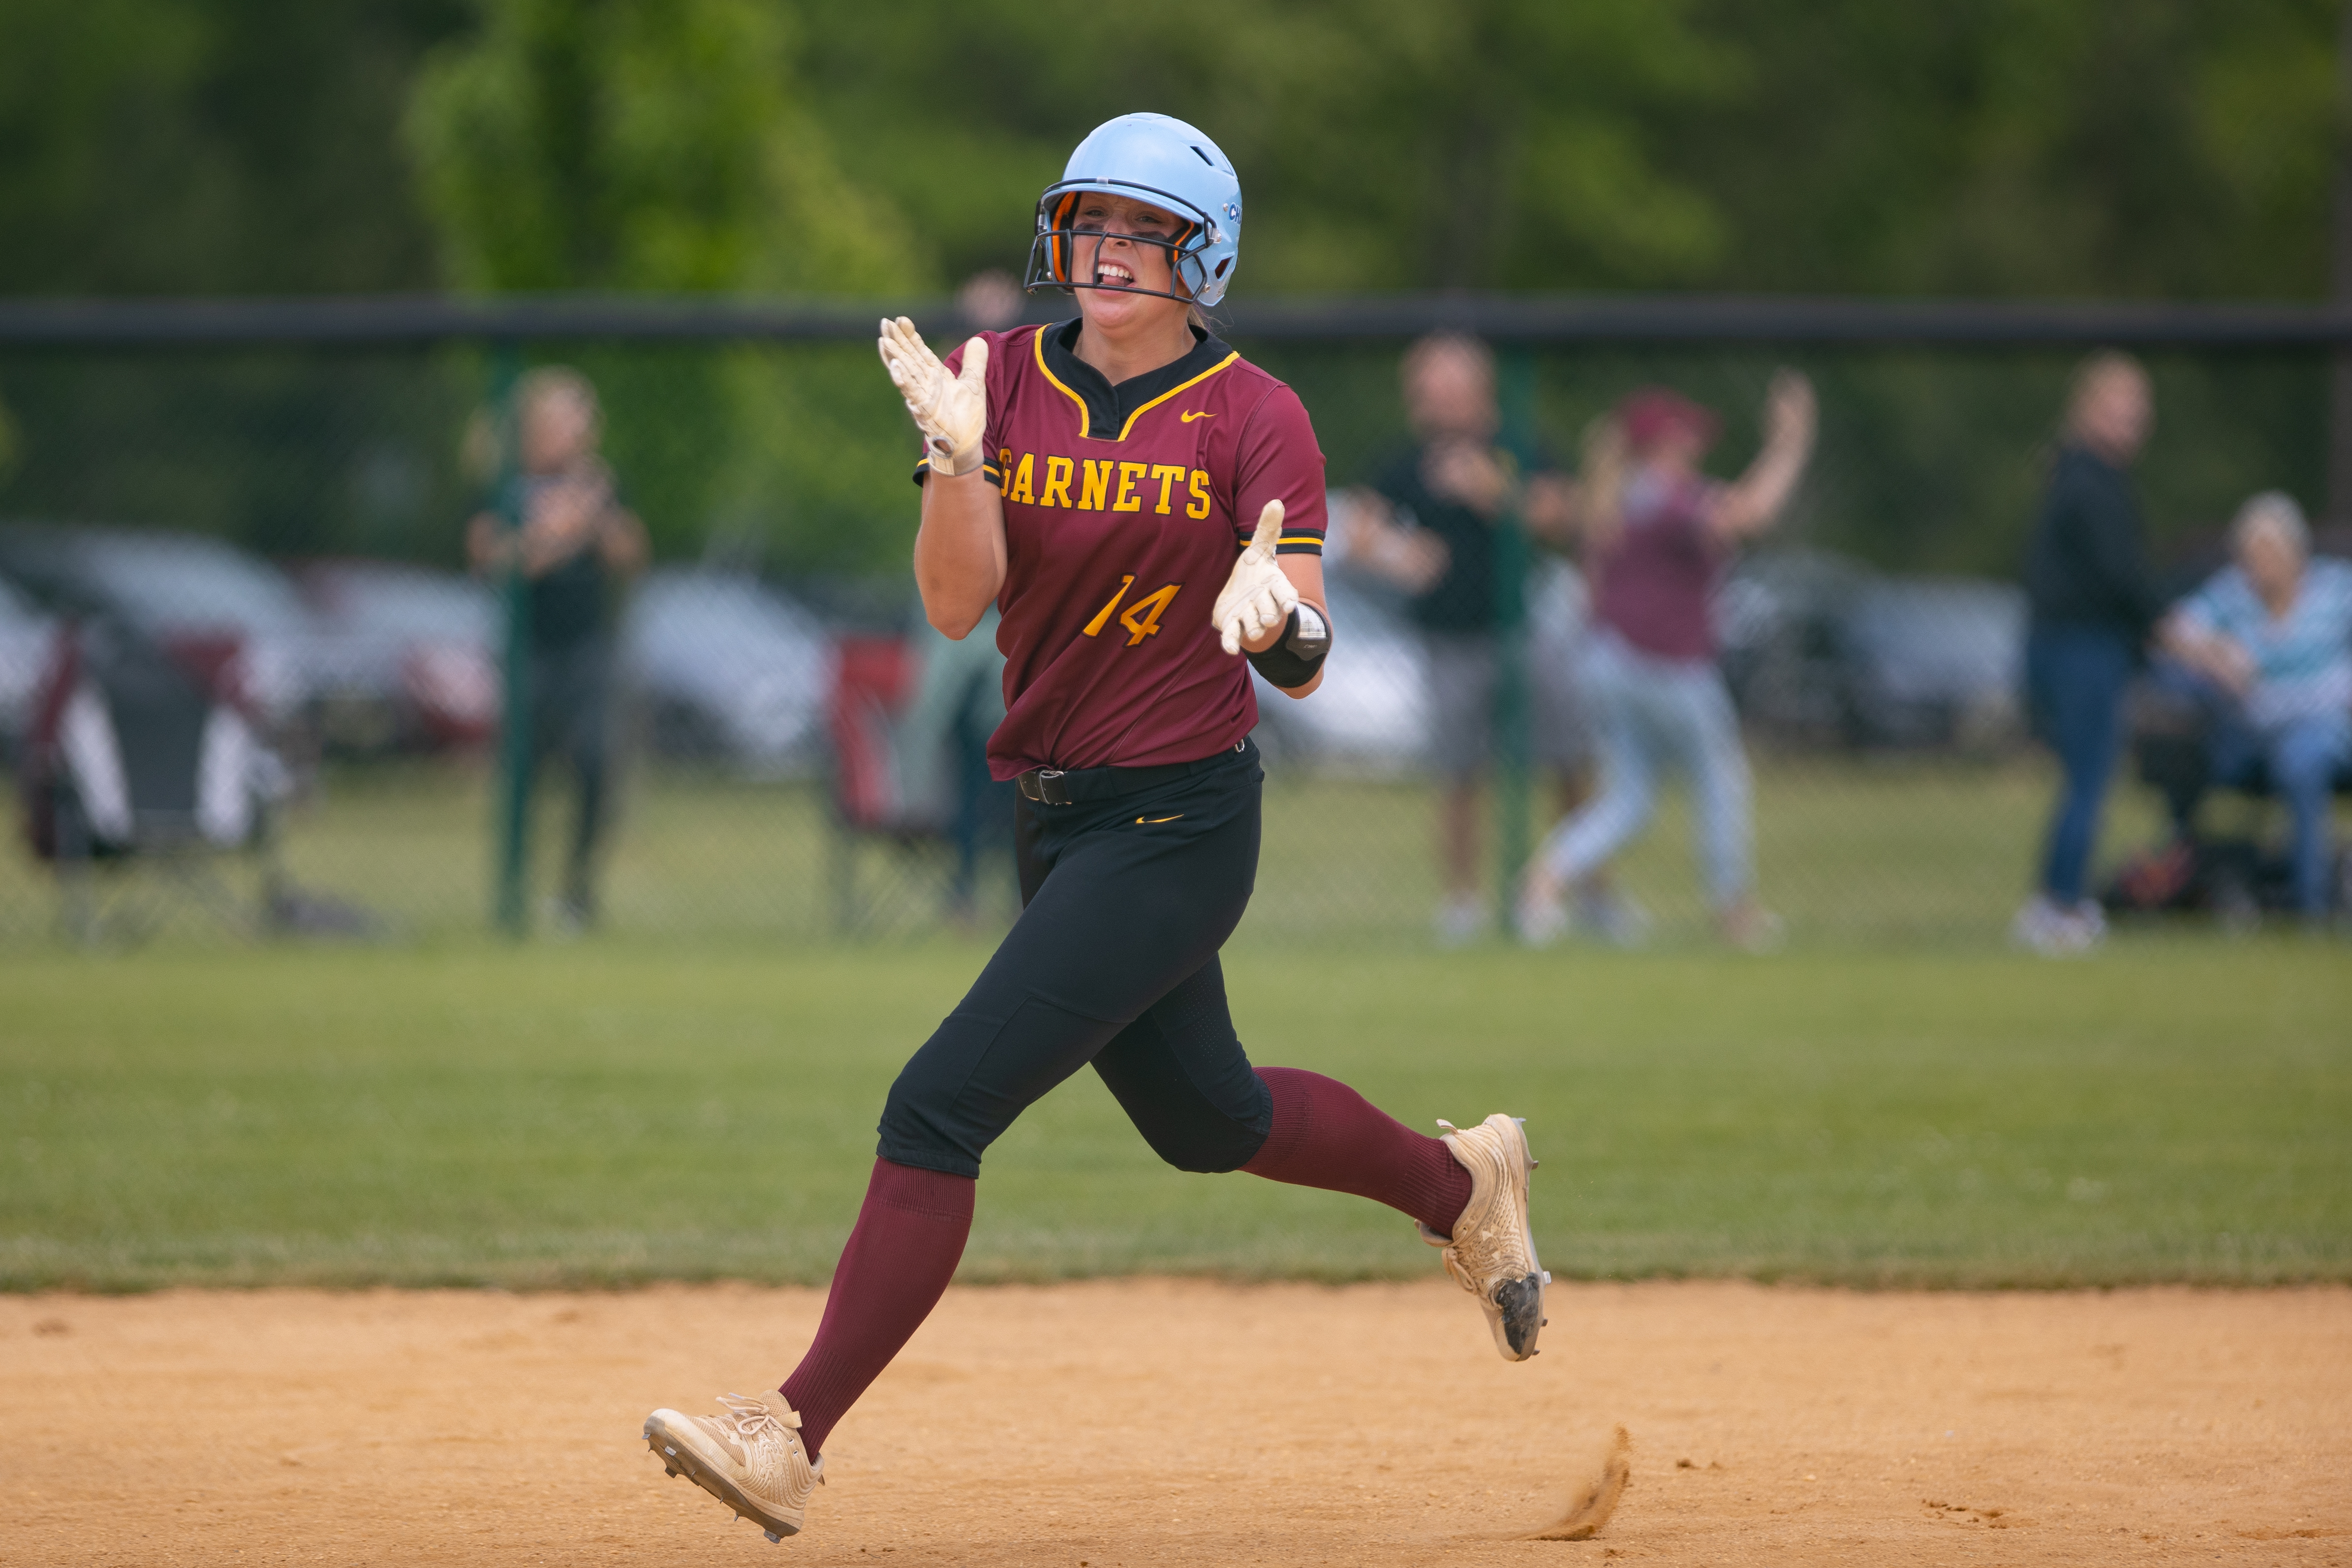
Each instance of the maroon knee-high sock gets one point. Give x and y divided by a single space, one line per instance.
909 1235
1328 1136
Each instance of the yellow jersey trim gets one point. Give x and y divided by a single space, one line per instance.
1039 343
1163 397
1300 539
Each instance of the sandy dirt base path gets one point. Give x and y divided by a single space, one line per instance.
1145 1422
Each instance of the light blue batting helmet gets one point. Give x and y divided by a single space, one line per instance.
1167 163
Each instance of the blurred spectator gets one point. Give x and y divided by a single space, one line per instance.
941 746
2273 635
1429 528
990 299
1655 542
560 522
2093 601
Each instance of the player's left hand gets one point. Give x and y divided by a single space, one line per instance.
1257 598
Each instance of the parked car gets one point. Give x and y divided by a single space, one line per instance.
1823 651
229 618
727 668
27 639
1937 662
419 651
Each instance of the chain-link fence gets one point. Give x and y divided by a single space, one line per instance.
250 544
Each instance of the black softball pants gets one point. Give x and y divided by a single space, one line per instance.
1126 900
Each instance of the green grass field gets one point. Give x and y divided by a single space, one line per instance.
1878 852
606 1113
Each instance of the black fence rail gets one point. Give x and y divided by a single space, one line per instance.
404 321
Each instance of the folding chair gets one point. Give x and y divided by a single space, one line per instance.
137 783
874 678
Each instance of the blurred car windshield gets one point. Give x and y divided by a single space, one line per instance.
412 601
713 612
1929 636
163 581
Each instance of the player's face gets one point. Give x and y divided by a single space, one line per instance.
1120 244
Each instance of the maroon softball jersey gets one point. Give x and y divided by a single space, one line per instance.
1124 509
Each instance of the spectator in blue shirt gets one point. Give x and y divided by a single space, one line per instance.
2274 631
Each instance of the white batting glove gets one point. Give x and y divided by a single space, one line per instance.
1257 597
950 410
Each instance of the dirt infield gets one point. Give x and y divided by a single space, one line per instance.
1143 1422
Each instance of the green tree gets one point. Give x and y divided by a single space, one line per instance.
1383 144
2154 148
638 144
661 145
174 147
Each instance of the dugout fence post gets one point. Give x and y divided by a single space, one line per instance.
510 904
1513 761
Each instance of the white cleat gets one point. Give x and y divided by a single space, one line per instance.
1492 1252
751 1458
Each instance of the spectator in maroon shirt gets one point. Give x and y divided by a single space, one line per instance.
1654 544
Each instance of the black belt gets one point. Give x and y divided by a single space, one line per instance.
1073 785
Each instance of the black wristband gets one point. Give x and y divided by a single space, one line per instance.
1298 654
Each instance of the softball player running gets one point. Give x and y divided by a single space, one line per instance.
1145 509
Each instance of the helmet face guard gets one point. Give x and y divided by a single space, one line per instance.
1053 254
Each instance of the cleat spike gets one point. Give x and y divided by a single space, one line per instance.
773 1536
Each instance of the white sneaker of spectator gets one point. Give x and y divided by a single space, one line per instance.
1752 928
1540 921
2092 919
1460 920
2042 927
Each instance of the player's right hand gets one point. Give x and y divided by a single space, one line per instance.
1257 597
951 411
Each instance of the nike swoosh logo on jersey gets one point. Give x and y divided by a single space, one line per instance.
1195 414
1148 820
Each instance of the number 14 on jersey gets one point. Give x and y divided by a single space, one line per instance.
1142 617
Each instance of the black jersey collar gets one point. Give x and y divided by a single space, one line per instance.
1108 412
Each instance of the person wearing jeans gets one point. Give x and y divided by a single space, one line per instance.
1662 716
2075 677
2273 633
1656 540
2087 582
